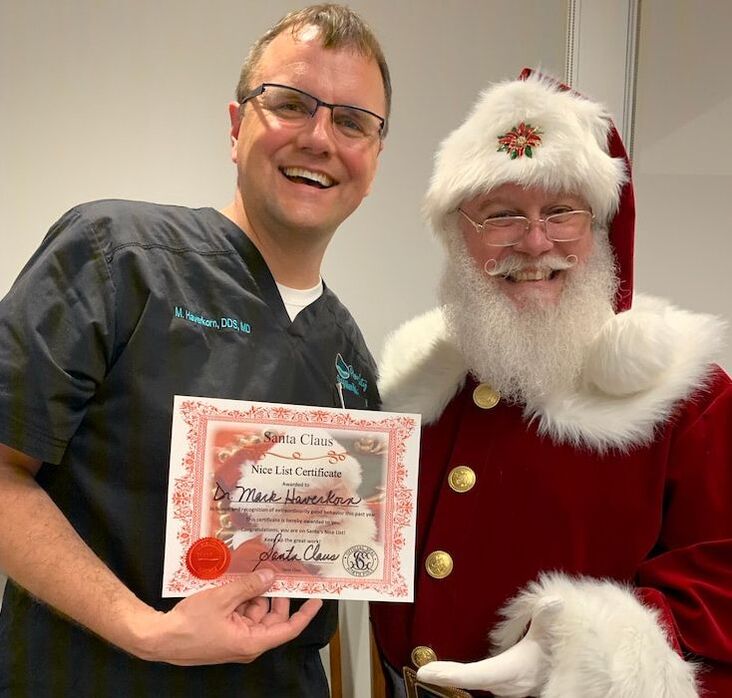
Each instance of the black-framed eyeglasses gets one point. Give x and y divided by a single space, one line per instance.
293 106
505 231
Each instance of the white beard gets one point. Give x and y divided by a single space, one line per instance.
534 351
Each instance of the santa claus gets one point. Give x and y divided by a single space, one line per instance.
575 494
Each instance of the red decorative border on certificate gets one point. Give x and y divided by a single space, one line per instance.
187 494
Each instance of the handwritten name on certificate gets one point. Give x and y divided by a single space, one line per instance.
324 497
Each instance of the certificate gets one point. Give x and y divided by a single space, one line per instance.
325 497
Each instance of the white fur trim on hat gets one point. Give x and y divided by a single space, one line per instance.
572 155
603 642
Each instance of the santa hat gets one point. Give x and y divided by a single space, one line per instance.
535 131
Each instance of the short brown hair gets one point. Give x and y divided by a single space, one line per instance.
339 27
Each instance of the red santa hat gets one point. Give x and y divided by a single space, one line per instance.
535 131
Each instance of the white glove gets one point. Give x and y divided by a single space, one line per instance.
518 672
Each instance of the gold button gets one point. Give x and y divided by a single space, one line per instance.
422 655
486 397
461 479
438 564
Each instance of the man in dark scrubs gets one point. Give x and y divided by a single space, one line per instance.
126 304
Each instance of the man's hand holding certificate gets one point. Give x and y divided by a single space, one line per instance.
323 497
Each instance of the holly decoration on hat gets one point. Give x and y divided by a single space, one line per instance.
519 141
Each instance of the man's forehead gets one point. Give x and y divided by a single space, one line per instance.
292 51
286 45
305 39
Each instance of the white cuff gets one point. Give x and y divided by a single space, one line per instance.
603 642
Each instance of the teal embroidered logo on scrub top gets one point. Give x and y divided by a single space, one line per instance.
219 323
351 380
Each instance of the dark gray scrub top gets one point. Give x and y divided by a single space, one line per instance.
124 305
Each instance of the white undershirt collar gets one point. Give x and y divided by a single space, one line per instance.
295 299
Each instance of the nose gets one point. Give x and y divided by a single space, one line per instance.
316 133
535 242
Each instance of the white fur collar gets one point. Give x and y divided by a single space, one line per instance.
642 362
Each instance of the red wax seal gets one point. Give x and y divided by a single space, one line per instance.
208 558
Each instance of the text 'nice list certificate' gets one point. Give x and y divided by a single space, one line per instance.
325 497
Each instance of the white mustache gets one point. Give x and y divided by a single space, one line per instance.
514 263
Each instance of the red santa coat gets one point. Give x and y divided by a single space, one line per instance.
617 498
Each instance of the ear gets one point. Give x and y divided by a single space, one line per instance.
235 120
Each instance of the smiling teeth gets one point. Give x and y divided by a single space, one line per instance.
318 177
531 275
